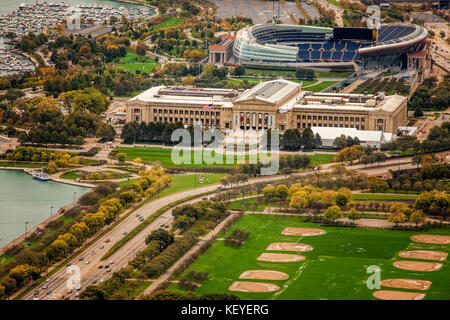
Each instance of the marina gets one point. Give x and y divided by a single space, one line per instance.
20 18
12 62
40 16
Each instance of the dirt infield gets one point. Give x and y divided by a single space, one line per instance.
424 254
398 295
418 265
289 246
431 238
291 231
264 275
245 286
414 284
280 257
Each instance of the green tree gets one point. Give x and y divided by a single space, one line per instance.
417 217
353 215
332 214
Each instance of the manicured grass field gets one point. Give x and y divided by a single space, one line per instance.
171 22
321 86
150 154
335 269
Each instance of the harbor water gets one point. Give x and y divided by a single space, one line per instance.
23 199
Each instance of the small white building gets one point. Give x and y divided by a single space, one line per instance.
366 137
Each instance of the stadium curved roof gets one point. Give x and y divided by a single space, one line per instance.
292 43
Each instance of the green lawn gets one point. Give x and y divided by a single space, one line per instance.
335 269
247 204
150 154
321 86
171 22
5 258
368 196
132 62
72 175
189 181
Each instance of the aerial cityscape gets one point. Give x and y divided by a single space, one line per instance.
224 150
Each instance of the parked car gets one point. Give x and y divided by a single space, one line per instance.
102 247
107 240
36 292
94 281
81 259
48 292
93 252
87 262
68 265
45 286
111 262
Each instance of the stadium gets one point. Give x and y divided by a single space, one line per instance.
296 45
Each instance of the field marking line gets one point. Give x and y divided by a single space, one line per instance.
288 283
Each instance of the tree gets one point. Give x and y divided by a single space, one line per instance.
93 293
341 199
121 157
291 140
87 99
418 217
353 215
332 213
424 201
308 139
160 235
340 142
299 200
397 217
442 201
239 71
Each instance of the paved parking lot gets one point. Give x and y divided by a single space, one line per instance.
262 11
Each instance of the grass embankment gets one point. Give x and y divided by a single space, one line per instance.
335 269
8 164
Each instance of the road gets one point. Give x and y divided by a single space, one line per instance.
91 271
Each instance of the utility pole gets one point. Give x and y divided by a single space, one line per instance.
51 211
26 227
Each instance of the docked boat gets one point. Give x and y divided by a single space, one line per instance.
41 176
38 175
